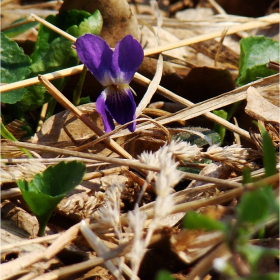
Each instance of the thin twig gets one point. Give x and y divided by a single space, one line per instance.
68 105
178 99
259 22
30 241
126 162
53 27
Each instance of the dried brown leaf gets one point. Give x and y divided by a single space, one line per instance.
259 108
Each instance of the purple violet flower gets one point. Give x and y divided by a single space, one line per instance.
114 70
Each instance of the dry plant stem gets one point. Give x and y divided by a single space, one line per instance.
205 265
178 99
53 27
71 269
68 105
260 22
220 47
193 205
10 193
30 276
255 23
153 85
16 24
30 241
80 267
50 76
126 162
100 248
62 241
99 174
217 7
212 104
224 197
42 116
44 160
12 268
14 192
119 128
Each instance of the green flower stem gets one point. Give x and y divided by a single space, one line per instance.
78 91
51 106
42 225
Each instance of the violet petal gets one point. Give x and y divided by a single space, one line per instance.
106 117
121 105
127 58
96 55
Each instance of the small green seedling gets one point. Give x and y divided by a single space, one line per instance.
47 189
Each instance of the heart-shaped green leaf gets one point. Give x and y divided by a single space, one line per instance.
14 67
46 190
255 53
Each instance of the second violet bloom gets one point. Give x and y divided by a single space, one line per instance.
114 70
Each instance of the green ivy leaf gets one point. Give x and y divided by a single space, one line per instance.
193 220
14 67
255 53
46 190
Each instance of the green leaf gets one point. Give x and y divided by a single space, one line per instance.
5 133
54 52
92 24
254 254
164 275
247 178
267 276
15 31
255 206
193 220
46 190
14 67
255 53
269 154
219 128
84 100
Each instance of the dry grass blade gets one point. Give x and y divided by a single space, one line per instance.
68 105
50 76
151 88
30 241
113 202
212 104
135 164
67 271
180 100
53 27
220 199
260 22
205 264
